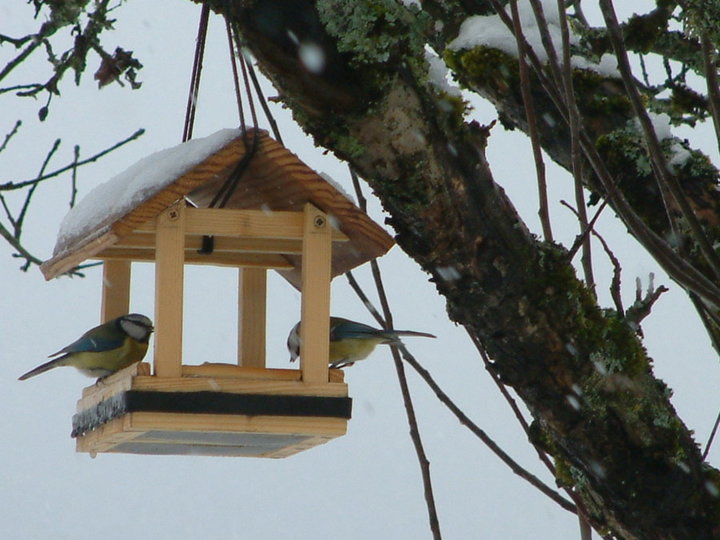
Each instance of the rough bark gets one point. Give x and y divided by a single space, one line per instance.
581 370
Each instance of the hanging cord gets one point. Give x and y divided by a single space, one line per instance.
264 105
228 188
236 78
196 72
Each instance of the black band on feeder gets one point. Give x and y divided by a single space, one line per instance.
205 402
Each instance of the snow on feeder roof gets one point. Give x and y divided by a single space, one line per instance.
276 180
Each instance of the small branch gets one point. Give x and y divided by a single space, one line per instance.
575 151
8 213
643 304
581 509
31 191
666 180
711 438
73 182
580 239
617 269
20 58
678 268
711 78
543 211
10 186
10 134
36 87
21 251
407 398
363 298
417 442
709 318
477 431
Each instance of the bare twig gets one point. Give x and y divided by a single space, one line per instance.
363 298
23 211
581 509
10 135
575 151
617 269
73 180
711 438
10 186
417 442
580 239
711 79
666 180
484 437
407 398
543 211
679 269
20 58
643 304
21 251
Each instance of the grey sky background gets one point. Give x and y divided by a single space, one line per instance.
364 485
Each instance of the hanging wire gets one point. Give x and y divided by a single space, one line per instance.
230 185
236 78
196 72
263 103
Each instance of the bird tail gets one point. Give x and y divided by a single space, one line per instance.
394 334
43 368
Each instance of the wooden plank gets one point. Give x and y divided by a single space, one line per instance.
105 437
247 223
235 386
252 310
213 377
111 385
232 371
299 425
115 290
146 240
67 258
229 222
315 305
236 260
169 274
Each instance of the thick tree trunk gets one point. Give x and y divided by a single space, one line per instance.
581 370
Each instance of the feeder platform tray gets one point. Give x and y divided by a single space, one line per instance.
213 410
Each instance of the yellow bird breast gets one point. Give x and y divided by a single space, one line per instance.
100 364
352 350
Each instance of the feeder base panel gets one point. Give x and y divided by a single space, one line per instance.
127 413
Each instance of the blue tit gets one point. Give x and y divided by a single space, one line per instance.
104 349
350 341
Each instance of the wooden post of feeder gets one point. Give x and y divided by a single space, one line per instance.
252 291
115 290
315 308
169 267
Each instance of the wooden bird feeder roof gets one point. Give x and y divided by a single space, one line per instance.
275 181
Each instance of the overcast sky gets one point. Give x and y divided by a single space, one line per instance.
364 485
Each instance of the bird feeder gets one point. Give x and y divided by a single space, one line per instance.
282 216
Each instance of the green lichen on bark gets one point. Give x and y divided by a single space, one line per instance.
484 67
